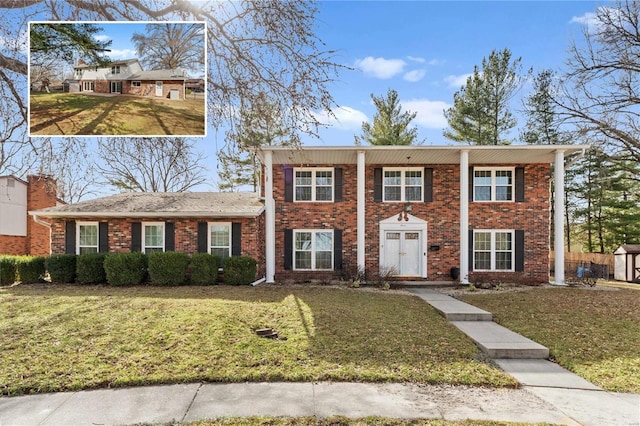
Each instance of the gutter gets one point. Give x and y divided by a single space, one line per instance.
260 281
39 221
575 158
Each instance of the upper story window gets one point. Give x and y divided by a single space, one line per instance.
152 237
313 184
87 237
220 239
402 184
115 69
493 184
493 250
78 73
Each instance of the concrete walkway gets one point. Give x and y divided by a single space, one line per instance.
550 394
526 360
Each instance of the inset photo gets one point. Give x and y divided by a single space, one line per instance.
117 79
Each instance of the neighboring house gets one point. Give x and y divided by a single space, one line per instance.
224 224
128 77
421 212
19 233
195 84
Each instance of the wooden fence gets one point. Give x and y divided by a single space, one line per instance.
573 261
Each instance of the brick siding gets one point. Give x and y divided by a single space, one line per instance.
442 216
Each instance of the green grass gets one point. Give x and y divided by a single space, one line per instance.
59 338
594 333
87 114
343 421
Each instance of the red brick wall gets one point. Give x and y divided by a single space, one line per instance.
41 193
14 244
186 235
442 216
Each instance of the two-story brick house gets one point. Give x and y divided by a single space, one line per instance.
128 77
422 212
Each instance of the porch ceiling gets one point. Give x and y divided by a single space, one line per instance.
511 154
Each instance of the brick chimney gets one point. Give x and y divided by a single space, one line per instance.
41 193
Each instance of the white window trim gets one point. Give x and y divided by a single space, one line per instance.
144 228
115 69
313 171
493 233
402 183
493 171
209 235
97 225
313 249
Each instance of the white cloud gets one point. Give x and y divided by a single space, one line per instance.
122 54
436 62
346 118
415 75
588 19
380 67
430 114
102 37
416 59
457 81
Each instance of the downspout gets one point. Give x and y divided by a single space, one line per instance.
39 221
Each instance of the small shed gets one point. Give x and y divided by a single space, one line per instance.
626 263
72 86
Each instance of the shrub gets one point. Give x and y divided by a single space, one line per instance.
168 268
61 267
125 268
204 269
90 268
239 270
8 270
30 269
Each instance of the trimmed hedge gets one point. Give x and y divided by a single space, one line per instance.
204 269
8 272
168 268
31 269
125 268
240 270
90 268
61 268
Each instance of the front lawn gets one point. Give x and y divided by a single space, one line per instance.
593 332
343 421
88 114
58 338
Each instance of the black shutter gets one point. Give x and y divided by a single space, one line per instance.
471 249
519 178
70 237
471 183
337 249
103 237
428 184
236 239
288 184
203 228
288 249
519 267
377 184
136 236
337 189
169 236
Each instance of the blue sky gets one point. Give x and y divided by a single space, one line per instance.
425 50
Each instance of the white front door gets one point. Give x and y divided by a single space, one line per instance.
158 88
402 252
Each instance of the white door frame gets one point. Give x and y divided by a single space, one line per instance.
411 224
159 86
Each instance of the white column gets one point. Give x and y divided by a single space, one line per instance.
270 219
361 220
558 217
464 216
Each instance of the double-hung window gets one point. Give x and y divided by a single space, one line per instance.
313 184
402 184
152 237
87 237
493 184
493 250
115 69
313 249
220 239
